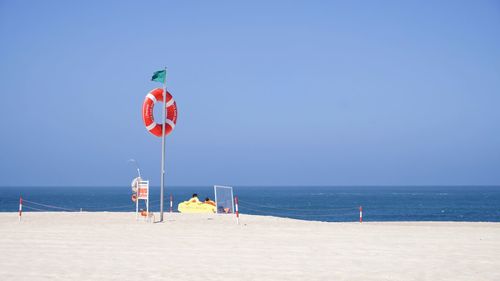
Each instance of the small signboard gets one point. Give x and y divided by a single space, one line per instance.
142 191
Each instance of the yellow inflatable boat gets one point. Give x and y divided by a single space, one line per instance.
195 207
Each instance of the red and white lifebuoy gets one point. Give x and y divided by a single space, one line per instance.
153 97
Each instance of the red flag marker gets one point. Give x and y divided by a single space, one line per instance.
20 207
236 209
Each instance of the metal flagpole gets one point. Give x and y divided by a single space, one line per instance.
163 143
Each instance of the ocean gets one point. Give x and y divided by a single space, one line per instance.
319 203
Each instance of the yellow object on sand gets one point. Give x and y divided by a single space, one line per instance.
195 207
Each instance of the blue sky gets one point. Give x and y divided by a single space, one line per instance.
268 92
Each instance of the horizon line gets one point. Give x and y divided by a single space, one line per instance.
281 185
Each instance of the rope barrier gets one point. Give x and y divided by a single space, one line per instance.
262 212
49 206
372 207
118 208
109 208
78 210
298 209
414 215
298 215
33 208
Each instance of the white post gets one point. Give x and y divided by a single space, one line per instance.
163 144
137 203
20 207
216 202
237 212
137 166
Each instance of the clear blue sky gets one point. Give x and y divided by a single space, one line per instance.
269 92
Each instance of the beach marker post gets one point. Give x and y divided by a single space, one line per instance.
20 207
236 209
360 214
171 200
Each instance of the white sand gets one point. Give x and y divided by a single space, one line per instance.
113 246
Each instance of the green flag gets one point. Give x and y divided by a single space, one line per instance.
159 76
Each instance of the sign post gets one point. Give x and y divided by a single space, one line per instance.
20 207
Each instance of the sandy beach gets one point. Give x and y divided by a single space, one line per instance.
114 246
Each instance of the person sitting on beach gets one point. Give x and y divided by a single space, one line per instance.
208 201
194 199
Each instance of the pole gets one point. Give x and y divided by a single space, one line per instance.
360 214
20 207
136 166
171 201
138 170
163 143
147 205
237 213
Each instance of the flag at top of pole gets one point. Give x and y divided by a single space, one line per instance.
159 76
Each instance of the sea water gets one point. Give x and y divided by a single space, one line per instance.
321 203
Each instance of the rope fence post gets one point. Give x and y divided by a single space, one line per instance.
171 202
236 209
360 214
20 207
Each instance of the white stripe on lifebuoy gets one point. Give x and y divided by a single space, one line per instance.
171 123
170 102
151 126
151 97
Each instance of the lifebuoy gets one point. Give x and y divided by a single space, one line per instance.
133 197
153 97
135 183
